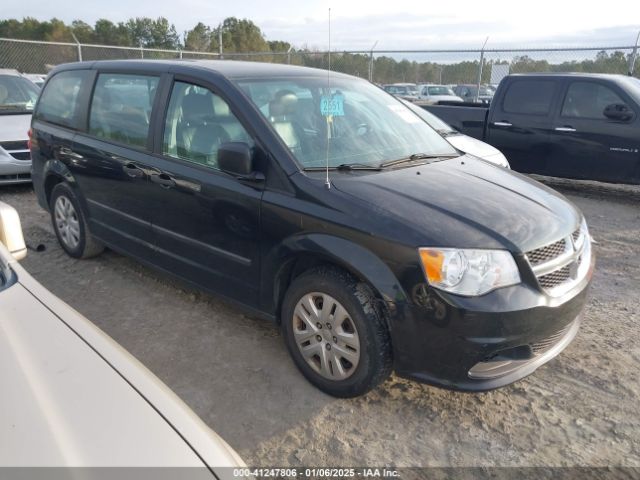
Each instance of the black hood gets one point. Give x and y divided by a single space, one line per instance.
466 203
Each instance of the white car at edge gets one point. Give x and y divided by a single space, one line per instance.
72 397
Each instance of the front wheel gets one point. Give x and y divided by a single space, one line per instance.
336 332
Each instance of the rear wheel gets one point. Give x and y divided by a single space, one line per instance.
70 225
336 332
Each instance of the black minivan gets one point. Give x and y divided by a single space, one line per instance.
319 201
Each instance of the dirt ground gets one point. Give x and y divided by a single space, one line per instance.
581 409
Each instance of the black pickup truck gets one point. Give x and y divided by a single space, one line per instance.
570 125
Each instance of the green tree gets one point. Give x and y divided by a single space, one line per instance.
239 36
198 38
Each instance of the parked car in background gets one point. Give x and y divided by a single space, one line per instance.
436 93
407 91
36 78
72 397
462 142
17 98
338 213
572 125
469 93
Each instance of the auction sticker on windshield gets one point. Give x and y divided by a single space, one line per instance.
332 106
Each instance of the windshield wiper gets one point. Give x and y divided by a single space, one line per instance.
418 156
346 167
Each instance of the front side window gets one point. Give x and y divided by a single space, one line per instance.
529 97
121 108
198 122
17 94
59 100
350 122
588 100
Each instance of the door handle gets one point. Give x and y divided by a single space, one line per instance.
133 170
67 152
164 180
502 124
565 129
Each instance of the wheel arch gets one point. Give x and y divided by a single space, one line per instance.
302 252
55 172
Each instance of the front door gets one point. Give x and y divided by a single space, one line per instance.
206 225
520 122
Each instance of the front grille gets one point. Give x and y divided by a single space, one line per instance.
17 145
576 235
559 264
555 278
547 253
18 149
21 155
544 345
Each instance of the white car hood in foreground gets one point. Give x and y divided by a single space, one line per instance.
71 396
478 149
14 127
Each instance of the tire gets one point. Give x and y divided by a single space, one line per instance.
70 224
330 361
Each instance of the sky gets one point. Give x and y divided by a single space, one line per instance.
358 24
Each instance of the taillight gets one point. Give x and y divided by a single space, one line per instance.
29 133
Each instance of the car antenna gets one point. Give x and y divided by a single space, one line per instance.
329 116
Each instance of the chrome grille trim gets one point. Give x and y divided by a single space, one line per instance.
559 273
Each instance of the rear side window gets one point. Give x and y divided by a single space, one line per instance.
59 100
529 97
588 100
121 108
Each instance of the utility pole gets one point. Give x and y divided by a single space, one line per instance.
220 42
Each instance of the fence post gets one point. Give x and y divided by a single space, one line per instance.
480 69
634 55
141 51
371 62
75 39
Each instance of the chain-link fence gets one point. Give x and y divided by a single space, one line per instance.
485 66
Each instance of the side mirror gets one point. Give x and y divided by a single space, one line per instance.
11 232
618 111
235 158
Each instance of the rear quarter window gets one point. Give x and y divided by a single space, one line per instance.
529 97
58 102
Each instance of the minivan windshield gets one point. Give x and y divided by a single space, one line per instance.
350 122
17 95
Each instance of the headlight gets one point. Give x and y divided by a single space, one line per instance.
469 272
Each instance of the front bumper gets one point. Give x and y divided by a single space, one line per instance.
13 170
482 343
